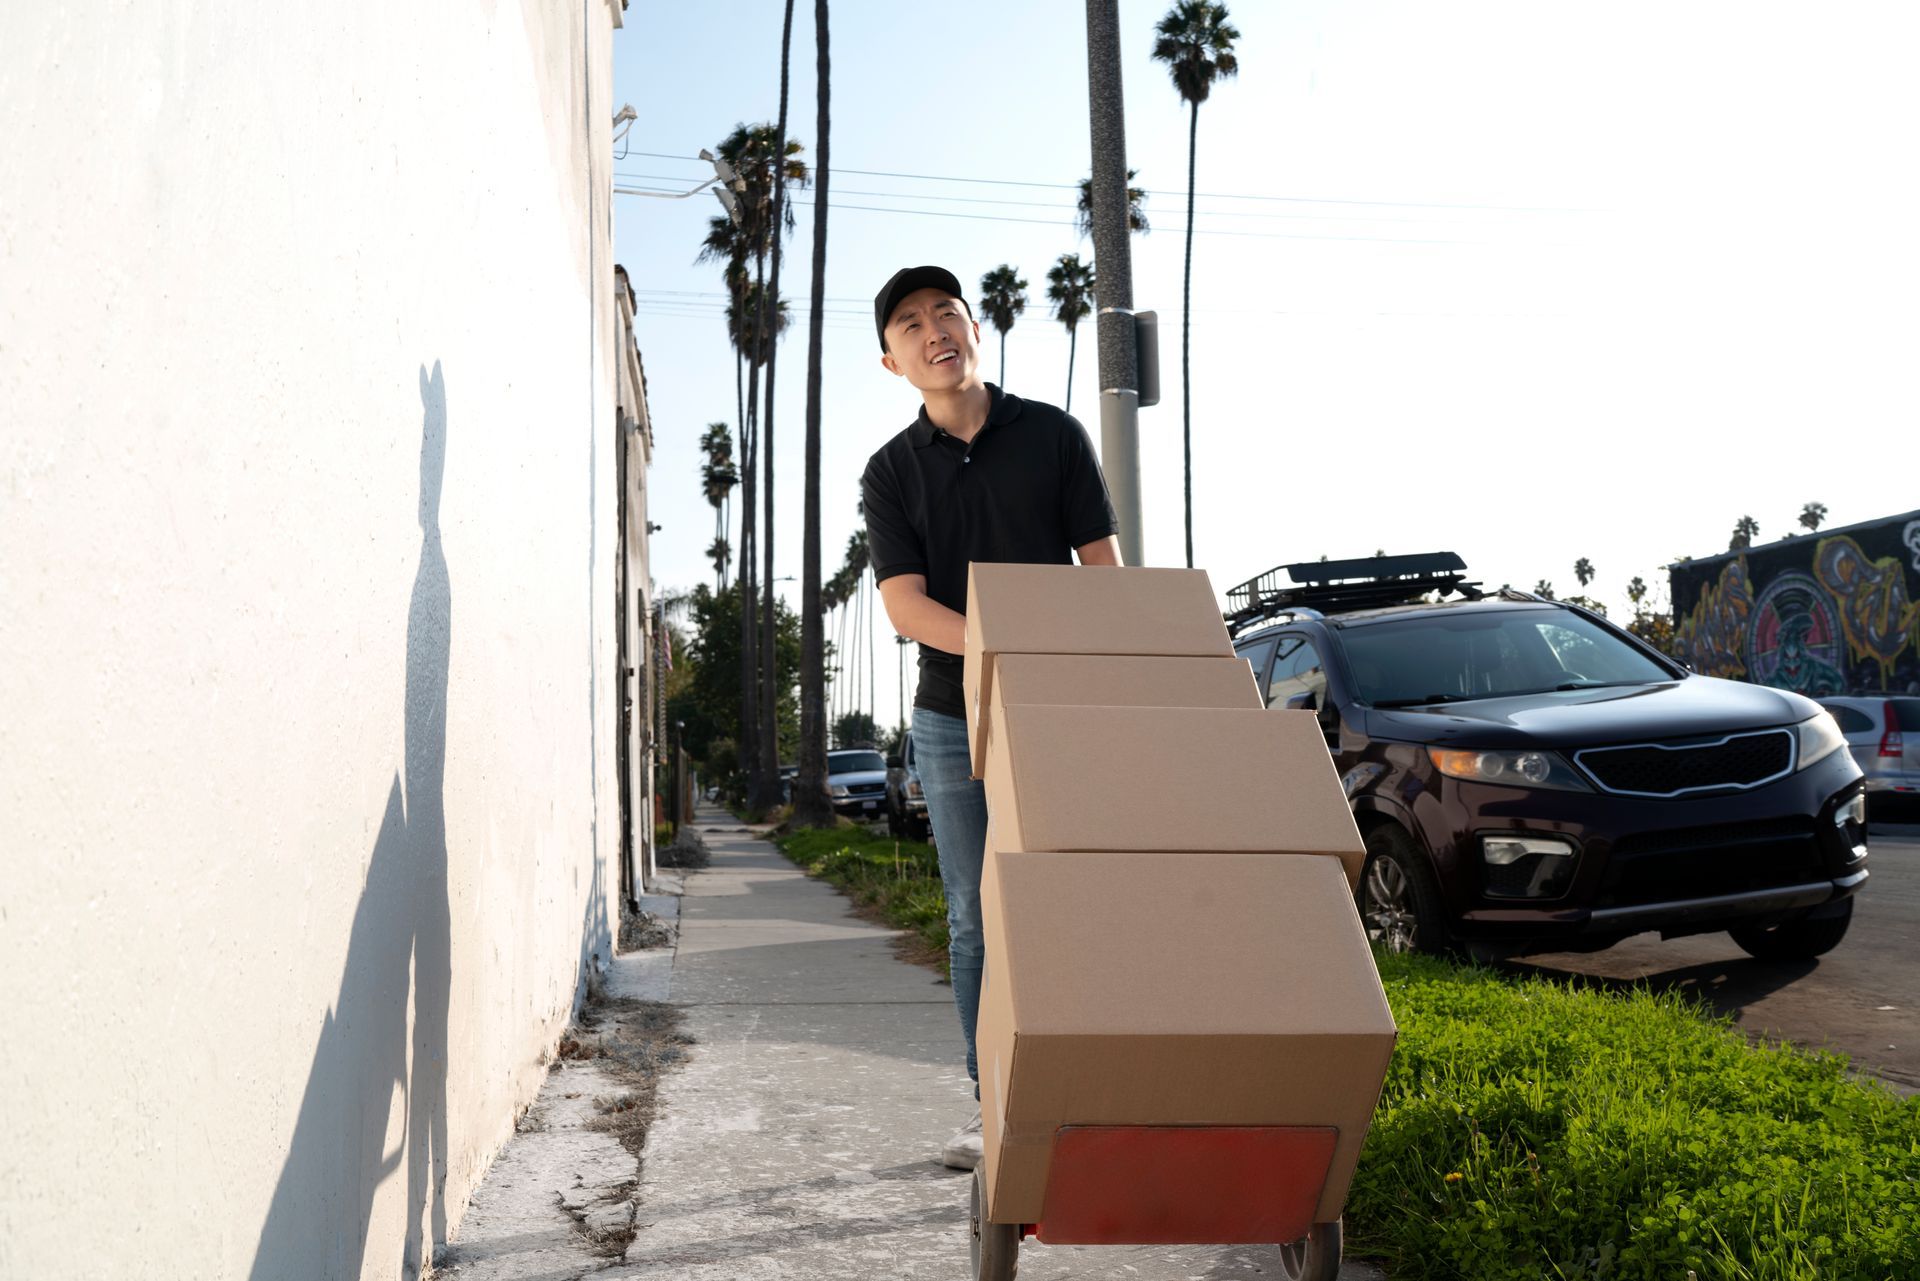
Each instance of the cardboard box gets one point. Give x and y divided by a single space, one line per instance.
1082 609
1196 988
1106 680
1166 779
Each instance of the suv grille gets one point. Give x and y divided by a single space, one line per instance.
1737 762
1699 862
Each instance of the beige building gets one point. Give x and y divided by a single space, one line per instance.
323 602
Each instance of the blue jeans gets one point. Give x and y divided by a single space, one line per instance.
957 808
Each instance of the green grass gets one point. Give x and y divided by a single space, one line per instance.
1531 1128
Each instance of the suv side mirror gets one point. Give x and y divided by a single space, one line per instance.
893 762
1303 703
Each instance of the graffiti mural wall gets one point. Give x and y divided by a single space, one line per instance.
1831 613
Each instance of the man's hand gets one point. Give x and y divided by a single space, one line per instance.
916 615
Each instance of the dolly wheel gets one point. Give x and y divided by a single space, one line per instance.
996 1246
1315 1257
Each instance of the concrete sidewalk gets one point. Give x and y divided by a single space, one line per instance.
802 1139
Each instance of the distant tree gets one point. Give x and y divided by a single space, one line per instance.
1136 216
1195 40
855 729
718 476
1745 530
1649 624
705 688
1070 287
1003 296
1812 514
1543 589
1583 570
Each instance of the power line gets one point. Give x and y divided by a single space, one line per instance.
1055 204
1211 195
1198 231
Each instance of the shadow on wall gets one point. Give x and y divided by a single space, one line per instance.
318 1222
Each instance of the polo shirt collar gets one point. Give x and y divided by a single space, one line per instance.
1001 409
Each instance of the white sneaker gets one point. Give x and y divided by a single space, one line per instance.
963 1150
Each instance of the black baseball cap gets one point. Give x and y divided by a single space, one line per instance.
904 282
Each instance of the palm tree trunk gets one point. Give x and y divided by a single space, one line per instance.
740 402
749 597
810 805
1073 337
1003 360
769 623
1186 334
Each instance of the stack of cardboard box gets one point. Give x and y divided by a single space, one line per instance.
1173 953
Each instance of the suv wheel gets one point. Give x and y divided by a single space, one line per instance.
1800 940
1398 900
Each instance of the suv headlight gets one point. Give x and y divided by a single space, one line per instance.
1528 768
1820 737
913 789
836 789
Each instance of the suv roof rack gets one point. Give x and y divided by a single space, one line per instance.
1341 586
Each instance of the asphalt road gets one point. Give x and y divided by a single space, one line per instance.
1862 998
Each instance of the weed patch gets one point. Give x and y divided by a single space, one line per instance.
687 850
1532 1129
636 1043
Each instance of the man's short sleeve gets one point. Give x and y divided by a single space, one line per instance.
893 545
1087 506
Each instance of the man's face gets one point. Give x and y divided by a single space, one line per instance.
931 341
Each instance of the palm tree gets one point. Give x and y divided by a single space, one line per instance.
1196 43
765 160
1812 514
718 476
811 808
781 226
1583 570
720 552
1070 287
1136 217
1744 531
1003 296
1543 589
1637 592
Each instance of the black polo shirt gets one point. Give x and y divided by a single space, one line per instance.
1027 490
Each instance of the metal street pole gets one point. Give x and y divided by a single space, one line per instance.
1113 268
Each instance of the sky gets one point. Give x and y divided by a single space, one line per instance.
1529 282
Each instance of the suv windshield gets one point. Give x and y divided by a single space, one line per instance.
1477 653
854 762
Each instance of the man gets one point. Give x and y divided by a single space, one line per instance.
978 476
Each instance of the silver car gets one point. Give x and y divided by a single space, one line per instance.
1884 736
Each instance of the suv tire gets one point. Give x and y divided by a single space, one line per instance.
1800 940
1399 900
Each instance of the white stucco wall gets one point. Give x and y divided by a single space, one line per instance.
307 781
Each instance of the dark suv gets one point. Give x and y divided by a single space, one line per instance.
906 801
1526 775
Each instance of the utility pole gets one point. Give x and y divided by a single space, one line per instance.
1113 263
